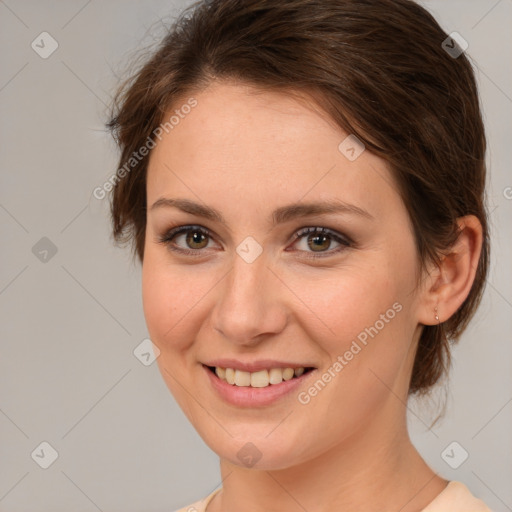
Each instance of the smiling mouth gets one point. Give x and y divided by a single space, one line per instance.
259 379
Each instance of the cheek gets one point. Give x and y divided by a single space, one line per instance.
366 345
169 296
362 314
346 302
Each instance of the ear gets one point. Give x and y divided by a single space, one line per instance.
449 283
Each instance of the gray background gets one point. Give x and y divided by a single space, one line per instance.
70 323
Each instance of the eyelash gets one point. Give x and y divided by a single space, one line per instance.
345 242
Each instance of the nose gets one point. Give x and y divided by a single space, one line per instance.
250 303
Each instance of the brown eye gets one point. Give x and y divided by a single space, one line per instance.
196 239
318 242
188 240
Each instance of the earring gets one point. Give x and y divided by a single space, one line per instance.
437 317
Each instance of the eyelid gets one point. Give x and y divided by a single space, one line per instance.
345 241
339 237
171 233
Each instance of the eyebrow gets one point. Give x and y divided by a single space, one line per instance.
280 215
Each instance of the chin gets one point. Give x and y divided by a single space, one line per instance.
258 451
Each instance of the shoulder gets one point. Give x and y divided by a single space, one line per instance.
199 505
456 497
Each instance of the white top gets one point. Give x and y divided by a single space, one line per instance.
455 497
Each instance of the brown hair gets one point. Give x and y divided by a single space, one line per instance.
377 67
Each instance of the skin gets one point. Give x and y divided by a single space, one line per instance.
245 153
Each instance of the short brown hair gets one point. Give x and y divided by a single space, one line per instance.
377 67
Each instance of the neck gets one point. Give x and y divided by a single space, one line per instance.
375 469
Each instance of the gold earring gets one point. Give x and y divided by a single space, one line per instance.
437 317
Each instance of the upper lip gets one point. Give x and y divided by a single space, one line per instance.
255 366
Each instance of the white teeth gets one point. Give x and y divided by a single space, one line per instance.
276 376
299 372
242 378
260 379
287 373
230 375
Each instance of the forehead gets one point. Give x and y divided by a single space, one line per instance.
259 147
241 116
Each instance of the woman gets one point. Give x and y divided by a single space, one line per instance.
303 183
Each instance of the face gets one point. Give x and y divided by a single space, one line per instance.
259 284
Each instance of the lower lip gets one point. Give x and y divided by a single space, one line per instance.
246 396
